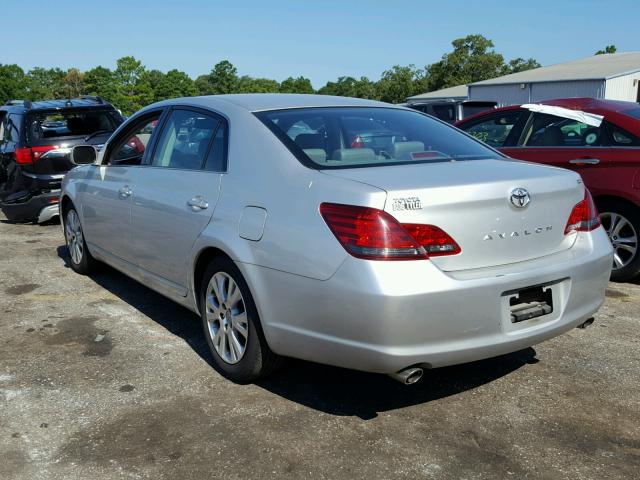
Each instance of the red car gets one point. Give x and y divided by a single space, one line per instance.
600 139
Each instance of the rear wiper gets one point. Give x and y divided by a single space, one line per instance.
96 133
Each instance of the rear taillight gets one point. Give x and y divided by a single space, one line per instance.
28 155
373 234
584 216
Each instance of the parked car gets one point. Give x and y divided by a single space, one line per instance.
260 213
600 139
451 111
35 143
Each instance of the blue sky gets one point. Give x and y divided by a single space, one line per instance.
319 39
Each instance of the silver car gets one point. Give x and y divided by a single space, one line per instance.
341 231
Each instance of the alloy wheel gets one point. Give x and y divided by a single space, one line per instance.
75 239
226 316
623 236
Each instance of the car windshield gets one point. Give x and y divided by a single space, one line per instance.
71 123
348 137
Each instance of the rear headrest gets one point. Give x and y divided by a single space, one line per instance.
309 140
75 124
403 150
354 155
318 155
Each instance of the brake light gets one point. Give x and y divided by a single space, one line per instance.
357 142
584 216
373 234
26 155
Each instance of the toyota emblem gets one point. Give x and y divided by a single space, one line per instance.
520 197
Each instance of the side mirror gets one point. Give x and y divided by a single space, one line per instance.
84 154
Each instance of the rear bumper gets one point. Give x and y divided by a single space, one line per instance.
32 207
386 316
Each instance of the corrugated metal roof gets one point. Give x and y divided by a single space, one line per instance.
459 91
597 67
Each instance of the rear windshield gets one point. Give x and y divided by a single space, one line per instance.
71 123
350 137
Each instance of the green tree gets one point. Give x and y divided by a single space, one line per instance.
398 83
607 49
223 78
45 83
13 83
247 84
473 59
100 81
133 90
296 85
350 87
73 83
519 65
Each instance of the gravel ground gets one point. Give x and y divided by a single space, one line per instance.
102 378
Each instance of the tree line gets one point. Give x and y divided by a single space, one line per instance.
131 86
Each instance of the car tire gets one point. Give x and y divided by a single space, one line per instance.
80 258
231 324
626 223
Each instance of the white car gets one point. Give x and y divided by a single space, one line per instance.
342 231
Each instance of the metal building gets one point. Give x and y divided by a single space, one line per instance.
613 76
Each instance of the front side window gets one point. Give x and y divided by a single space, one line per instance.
185 140
346 137
494 129
546 130
129 147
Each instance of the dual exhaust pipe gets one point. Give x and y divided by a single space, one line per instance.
408 376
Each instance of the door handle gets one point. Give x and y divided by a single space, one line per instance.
585 161
198 203
125 192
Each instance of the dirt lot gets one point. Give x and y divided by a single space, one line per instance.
102 378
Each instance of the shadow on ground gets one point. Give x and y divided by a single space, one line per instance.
331 390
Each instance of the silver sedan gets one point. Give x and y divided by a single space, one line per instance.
342 231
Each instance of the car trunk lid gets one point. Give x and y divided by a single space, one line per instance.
471 201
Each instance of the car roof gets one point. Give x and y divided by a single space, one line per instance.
56 104
255 102
589 105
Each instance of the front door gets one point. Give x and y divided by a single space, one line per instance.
107 192
176 192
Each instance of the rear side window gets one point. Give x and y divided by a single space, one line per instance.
350 137
619 137
185 140
70 123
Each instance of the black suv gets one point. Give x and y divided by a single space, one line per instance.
35 146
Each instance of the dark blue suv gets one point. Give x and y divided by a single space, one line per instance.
35 146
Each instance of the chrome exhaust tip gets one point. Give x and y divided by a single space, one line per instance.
408 376
586 323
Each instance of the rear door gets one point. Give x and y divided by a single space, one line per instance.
176 192
107 191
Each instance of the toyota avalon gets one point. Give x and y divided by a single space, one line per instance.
342 231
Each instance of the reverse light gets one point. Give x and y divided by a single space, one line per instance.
26 155
584 216
435 241
373 234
